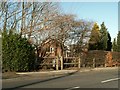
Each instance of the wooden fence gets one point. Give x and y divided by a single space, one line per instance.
92 60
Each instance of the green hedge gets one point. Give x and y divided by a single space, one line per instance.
17 53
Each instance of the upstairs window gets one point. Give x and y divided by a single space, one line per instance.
51 49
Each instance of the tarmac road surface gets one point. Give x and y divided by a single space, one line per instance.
107 78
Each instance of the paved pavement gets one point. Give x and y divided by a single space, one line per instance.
67 79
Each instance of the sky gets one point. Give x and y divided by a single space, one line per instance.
99 12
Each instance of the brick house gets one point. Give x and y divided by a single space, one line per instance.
51 49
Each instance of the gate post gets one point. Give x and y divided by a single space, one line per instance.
57 63
93 62
61 63
79 63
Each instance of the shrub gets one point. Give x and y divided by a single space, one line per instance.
17 53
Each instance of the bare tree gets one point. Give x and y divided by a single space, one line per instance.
8 15
40 22
80 36
4 14
62 26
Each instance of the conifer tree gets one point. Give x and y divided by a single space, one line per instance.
94 38
118 42
103 37
109 43
17 53
114 45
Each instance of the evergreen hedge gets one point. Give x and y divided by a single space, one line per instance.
17 53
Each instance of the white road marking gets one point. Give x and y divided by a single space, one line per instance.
110 80
73 88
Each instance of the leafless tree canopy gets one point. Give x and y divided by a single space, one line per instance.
40 20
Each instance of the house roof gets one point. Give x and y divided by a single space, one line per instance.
50 40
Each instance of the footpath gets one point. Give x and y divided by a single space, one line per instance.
58 73
26 78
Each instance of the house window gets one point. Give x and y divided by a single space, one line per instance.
48 49
51 49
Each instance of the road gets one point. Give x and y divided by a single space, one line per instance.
91 79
